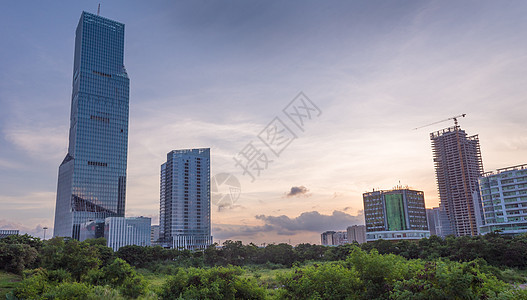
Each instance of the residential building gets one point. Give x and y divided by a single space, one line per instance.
184 218
397 214
458 165
334 238
120 231
92 176
504 198
7 232
438 222
356 233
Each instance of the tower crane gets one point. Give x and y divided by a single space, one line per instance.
451 118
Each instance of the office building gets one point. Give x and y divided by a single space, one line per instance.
356 233
397 214
7 232
120 231
184 217
92 176
504 198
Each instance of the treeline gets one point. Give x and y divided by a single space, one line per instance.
433 268
497 250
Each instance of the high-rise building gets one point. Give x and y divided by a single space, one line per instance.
458 165
92 176
120 231
504 197
356 233
184 217
334 238
397 214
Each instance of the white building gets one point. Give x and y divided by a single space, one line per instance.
184 217
356 233
504 199
120 231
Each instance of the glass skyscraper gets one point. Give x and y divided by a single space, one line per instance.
184 219
92 176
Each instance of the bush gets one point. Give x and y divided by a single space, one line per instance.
214 283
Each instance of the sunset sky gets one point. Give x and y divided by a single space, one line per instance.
216 73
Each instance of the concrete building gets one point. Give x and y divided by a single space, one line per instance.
7 232
334 238
356 233
92 176
458 165
504 198
184 217
438 222
120 231
397 214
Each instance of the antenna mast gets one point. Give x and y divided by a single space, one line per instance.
99 9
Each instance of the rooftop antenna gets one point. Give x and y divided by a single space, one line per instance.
99 9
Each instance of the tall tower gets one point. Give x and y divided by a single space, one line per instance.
184 219
92 176
458 164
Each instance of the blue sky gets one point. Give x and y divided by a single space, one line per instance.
214 74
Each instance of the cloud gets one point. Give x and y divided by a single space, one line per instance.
311 221
43 143
228 231
298 191
37 231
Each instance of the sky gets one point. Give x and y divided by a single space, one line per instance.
215 74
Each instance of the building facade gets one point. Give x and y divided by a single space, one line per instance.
184 217
154 234
438 222
7 232
458 165
397 214
92 176
334 238
356 233
504 198
120 231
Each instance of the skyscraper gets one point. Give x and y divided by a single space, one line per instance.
395 214
458 165
92 176
184 218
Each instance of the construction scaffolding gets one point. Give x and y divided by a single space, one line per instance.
458 165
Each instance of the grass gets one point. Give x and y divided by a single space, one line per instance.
8 282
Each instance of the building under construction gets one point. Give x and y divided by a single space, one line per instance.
458 165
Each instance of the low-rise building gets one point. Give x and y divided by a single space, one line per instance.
120 231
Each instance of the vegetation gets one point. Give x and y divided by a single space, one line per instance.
483 267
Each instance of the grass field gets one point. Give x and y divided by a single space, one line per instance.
7 283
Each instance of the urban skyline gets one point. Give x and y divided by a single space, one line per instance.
212 76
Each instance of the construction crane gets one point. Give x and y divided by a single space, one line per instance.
451 118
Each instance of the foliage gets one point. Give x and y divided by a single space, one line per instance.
326 281
214 283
